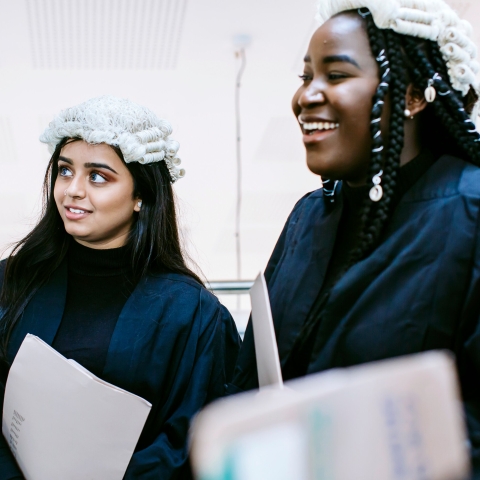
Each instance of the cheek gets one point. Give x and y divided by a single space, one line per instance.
355 103
355 108
116 200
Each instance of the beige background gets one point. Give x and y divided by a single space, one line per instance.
176 57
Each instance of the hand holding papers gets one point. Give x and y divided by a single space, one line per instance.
62 422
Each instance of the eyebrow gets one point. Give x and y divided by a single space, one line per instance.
334 59
89 164
340 58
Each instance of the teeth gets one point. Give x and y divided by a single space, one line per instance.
320 126
74 210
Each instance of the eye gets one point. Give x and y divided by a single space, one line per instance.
337 76
305 77
64 172
95 177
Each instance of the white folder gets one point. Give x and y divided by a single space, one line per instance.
63 423
266 350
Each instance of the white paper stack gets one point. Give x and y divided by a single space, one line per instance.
63 423
397 419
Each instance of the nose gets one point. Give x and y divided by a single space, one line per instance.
311 96
77 187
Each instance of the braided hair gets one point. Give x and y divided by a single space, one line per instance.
445 128
402 60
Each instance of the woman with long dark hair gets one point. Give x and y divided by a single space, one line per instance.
103 279
385 259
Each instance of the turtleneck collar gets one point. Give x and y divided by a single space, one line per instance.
412 171
94 262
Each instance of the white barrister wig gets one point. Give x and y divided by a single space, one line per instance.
429 19
141 136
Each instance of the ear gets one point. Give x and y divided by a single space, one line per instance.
138 205
415 100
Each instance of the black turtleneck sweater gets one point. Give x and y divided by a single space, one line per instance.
345 241
99 284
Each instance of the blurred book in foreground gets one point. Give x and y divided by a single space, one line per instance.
388 420
61 422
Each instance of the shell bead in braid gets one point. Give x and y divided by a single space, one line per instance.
447 106
376 160
396 37
376 190
375 215
378 47
432 20
395 143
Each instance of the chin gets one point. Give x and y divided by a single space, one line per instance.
77 233
319 168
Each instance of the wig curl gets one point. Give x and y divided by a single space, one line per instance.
428 19
140 135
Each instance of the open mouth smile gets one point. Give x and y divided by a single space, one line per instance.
314 127
73 213
315 132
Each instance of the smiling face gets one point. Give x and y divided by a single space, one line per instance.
94 195
334 104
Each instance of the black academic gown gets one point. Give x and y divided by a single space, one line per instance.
419 289
174 345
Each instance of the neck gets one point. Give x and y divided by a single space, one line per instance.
411 146
116 242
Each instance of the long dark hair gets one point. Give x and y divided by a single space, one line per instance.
446 126
153 243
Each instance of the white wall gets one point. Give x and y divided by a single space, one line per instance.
56 53
37 51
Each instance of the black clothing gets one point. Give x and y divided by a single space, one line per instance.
99 283
418 290
346 238
173 344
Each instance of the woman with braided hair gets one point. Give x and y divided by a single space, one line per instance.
102 279
385 259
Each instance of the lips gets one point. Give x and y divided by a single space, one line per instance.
316 130
309 123
76 213
320 126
